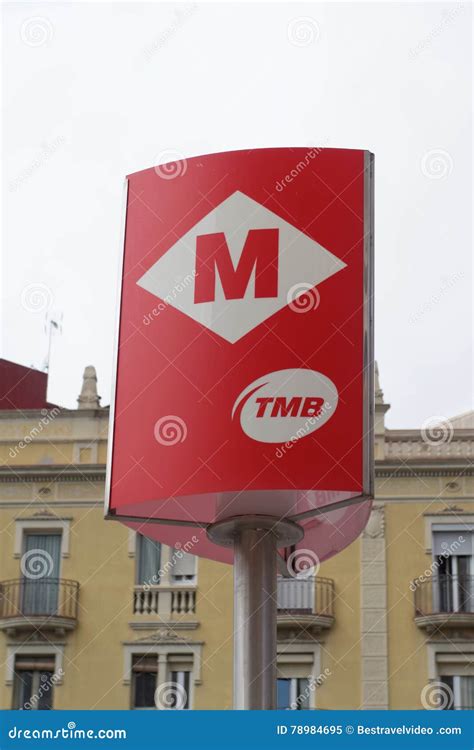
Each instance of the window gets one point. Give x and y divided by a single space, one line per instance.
159 564
453 585
459 693
454 669
33 682
171 693
298 665
144 676
148 561
40 565
293 693
179 689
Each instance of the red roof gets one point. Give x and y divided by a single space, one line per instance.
22 387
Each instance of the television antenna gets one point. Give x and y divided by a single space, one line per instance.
52 323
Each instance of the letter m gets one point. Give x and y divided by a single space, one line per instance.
259 254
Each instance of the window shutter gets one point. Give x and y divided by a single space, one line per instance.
294 670
183 565
32 663
449 541
145 663
450 665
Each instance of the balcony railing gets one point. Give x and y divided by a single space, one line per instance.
444 600
27 602
312 596
164 600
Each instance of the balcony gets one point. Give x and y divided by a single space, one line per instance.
444 602
39 605
305 606
163 604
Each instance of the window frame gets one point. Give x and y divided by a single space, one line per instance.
168 655
24 526
133 684
456 690
36 652
183 680
295 691
301 660
461 654
36 674
167 664
138 552
167 552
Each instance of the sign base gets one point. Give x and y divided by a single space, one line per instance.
285 532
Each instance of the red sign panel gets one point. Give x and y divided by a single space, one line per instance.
244 353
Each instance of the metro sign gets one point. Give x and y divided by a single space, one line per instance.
244 353
246 261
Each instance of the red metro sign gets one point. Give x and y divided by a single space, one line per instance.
244 356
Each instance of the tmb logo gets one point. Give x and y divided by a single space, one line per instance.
245 260
285 405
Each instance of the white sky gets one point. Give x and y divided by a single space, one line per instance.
93 91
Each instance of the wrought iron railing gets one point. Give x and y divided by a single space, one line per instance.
43 597
444 594
312 595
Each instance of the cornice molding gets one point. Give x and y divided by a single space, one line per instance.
25 414
433 467
50 473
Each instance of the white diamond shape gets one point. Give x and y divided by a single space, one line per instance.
301 261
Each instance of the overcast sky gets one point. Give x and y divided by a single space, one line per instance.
93 91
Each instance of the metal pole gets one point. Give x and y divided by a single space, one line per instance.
255 619
255 541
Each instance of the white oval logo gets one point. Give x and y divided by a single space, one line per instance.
286 405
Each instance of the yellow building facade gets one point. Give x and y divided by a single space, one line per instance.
94 616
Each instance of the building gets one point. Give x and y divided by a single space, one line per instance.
94 616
